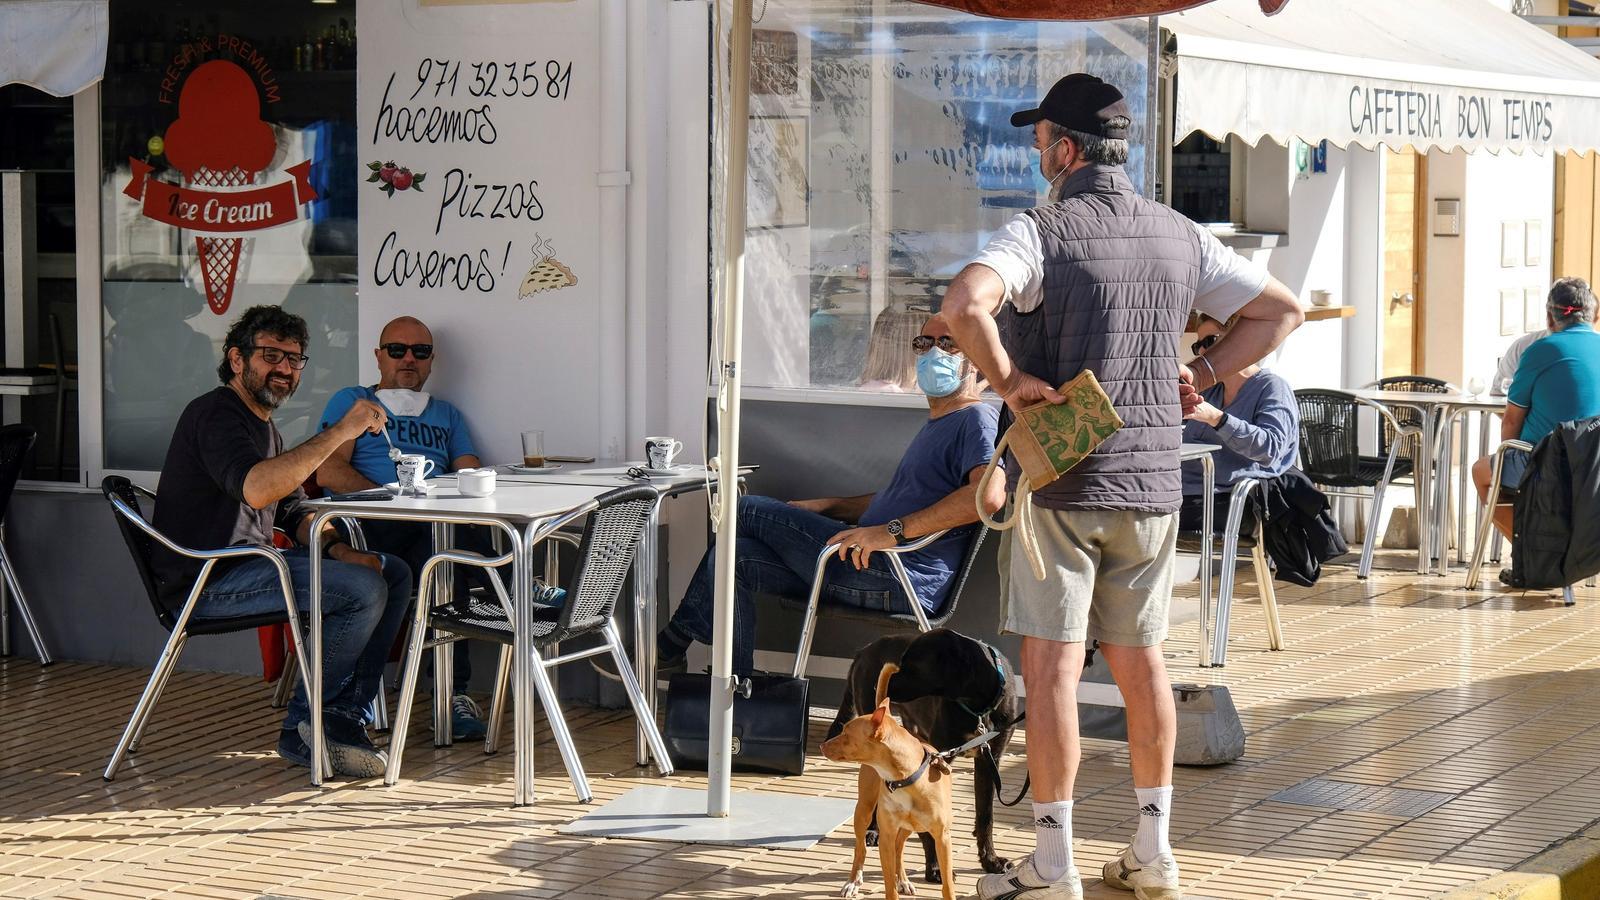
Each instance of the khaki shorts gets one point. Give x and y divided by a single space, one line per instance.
1108 577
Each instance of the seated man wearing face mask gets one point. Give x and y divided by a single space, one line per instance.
420 424
933 489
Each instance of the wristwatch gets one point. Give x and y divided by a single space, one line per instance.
897 530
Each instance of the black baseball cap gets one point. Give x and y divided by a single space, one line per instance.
1082 103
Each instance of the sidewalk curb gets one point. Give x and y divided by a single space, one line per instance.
1568 871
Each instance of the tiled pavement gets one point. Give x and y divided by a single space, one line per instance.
1400 681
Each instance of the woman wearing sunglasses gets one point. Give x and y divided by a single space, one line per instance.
1251 414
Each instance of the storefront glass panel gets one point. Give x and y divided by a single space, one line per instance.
206 201
882 157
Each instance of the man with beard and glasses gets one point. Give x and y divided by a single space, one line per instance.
417 423
228 481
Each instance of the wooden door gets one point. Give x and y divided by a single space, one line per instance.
1401 301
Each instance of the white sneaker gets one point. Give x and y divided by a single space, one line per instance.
1154 880
1023 882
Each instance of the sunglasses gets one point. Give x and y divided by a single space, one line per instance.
398 350
273 356
1204 343
922 342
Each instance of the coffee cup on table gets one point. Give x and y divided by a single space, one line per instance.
411 470
475 482
659 451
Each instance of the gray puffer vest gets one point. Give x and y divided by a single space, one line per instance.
1120 274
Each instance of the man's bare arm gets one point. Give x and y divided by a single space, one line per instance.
969 306
1263 324
957 508
1511 422
277 477
338 476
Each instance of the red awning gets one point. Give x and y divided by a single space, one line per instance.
1081 9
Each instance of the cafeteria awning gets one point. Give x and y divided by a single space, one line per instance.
57 46
1428 73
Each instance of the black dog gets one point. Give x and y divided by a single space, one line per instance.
948 688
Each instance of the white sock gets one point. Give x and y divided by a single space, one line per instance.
1155 812
1052 835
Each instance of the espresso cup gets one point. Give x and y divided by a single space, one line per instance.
410 470
659 451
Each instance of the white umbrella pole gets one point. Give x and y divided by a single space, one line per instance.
719 758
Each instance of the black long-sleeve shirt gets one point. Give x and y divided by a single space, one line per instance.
200 502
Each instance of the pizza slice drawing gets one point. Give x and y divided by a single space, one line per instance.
547 273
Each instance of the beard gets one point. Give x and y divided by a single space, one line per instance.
269 390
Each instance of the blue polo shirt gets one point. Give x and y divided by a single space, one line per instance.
1558 380
440 434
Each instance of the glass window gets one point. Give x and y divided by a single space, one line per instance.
36 164
882 158
207 204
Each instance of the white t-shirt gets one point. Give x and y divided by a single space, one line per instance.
1507 369
1015 253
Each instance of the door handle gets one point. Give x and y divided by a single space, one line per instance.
1402 299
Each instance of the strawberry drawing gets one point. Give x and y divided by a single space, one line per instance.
390 177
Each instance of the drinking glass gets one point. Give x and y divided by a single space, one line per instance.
533 448
1475 386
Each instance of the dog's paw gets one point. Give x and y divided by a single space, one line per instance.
906 890
994 865
932 876
852 888
872 837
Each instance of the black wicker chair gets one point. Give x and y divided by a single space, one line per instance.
15 442
1330 454
616 522
180 619
1416 384
917 618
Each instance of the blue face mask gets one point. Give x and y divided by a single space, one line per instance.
939 373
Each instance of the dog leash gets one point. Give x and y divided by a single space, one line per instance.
981 742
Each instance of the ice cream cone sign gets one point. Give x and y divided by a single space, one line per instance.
220 146
547 273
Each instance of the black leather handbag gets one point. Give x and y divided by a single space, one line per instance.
769 726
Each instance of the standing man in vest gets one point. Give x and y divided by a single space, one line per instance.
1103 279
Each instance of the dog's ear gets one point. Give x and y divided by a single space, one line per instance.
879 715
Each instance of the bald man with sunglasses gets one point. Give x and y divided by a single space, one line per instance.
421 424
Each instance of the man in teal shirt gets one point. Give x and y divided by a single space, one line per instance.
1557 380
417 423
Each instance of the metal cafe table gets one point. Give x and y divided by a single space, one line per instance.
521 508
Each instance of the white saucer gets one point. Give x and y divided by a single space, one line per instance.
533 470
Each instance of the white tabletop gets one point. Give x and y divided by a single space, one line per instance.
511 502
1424 398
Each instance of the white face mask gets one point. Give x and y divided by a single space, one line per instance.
1051 190
404 403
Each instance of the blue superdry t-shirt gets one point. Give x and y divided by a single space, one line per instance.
440 434
938 461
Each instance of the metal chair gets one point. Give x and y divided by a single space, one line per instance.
917 618
616 522
181 621
1232 540
15 442
1486 519
1330 455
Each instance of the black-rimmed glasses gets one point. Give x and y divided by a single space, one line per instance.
397 350
1204 343
273 356
922 342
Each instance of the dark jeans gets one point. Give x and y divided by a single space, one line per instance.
1190 513
413 542
362 611
777 554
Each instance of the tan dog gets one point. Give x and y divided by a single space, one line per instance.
907 785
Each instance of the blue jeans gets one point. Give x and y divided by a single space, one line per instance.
777 554
362 612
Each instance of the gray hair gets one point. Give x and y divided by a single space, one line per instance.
1571 302
1094 148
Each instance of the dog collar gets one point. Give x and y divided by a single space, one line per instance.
914 777
999 694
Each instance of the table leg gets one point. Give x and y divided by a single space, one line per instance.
1424 471
443 653
1445 421
1208 483
521 676
1462 495
644 625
